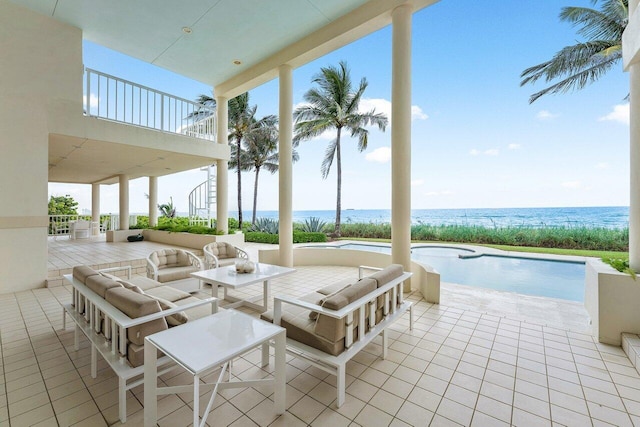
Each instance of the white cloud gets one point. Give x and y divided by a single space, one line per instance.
620 114
492 152
417 182
572 185
514 146
93 100
384 106
546 115
417 113
474 152
602 165
379 155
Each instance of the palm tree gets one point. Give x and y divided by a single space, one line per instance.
583 63
261 151
242 123
334 105
167 210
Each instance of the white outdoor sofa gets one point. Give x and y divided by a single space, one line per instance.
170 265
116 317
324 327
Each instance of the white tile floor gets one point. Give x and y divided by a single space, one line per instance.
459 366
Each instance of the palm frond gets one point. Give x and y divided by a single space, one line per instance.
327 161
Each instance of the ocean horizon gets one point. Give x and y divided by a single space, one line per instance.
592 217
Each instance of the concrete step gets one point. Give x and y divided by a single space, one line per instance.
631 346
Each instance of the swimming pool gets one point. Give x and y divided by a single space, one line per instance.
548 278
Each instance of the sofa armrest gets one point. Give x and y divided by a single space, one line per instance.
152 270
194 260
241 254
366 267
210 260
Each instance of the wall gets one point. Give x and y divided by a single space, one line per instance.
41 65
612 300
425 279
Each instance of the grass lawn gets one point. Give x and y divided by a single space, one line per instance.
575 252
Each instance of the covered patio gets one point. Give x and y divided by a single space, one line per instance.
461 365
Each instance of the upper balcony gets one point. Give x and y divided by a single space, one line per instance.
128 129
112 98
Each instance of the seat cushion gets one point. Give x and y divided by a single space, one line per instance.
167 293
300 328
196 312
175 273
144 283
175 319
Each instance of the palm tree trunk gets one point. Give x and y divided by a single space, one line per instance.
239 184
255 196
338 202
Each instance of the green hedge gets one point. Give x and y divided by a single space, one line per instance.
298 237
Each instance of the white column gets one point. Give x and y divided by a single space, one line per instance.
401 139
153 201
634 154
285 168
124 201
95 207
222 166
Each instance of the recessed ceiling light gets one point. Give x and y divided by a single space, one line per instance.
237 62
187 30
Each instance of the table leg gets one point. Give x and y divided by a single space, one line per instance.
265 295
150 384
196 401
280 373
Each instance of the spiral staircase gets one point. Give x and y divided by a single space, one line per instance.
202 200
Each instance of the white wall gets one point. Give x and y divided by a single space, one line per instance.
40 65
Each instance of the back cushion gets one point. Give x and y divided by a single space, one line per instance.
137 305
334 329
387 274
82 272
223 249
170 258
100 284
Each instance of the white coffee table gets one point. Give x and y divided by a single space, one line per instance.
205 344
229 279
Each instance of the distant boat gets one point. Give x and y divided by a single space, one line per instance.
351 209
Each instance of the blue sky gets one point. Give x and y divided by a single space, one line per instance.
476 141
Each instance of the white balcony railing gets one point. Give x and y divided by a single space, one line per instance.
60 224
112 98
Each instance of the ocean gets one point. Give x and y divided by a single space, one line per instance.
605 217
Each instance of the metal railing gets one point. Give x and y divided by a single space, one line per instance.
112 98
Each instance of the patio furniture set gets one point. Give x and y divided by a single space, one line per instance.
144 327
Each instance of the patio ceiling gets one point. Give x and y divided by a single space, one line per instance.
205 39
89 161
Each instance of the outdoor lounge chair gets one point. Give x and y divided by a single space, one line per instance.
168 265
220 254
80 229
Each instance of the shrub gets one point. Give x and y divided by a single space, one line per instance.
298 237
313 225
265 225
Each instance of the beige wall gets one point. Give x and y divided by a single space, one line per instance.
40 65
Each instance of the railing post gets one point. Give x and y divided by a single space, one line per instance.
87 101
161 112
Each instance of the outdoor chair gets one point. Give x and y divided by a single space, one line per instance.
221 254
80 229
168 265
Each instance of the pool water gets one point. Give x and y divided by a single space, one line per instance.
547 278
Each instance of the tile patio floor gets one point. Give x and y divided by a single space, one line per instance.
459 366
